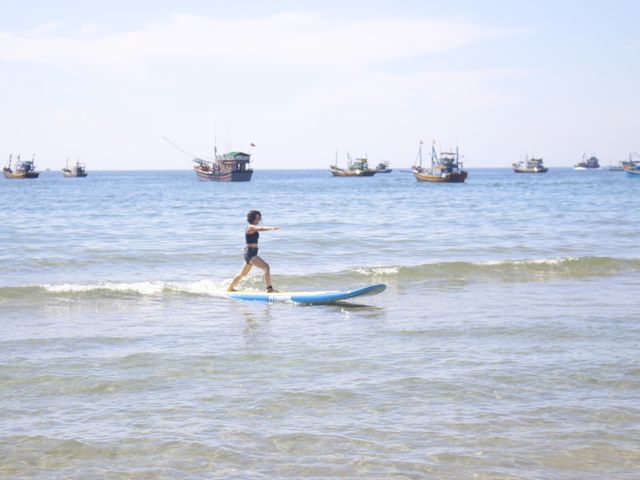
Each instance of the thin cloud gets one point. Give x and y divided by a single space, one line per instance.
460 89
44 29
91 28
289 38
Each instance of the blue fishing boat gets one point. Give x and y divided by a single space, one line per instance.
632 169
632 165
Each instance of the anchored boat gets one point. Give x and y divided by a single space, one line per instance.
632 168
358 168
631 165
228 167
23 169
587 164
383 167
533 165
619 167
446 168
77 170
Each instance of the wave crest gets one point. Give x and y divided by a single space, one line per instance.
525 270
529 270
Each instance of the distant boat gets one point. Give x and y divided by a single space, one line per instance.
633 168
589 164
616 168
77 170
357 168
628 165
23 169
383 167
447 168
533 165
228 167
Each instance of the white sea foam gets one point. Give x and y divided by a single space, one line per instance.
142 288
202 287
533 261
150 288
378 271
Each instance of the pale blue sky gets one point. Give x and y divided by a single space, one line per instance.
105 81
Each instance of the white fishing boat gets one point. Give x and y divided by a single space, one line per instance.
530 165
357 168
77 170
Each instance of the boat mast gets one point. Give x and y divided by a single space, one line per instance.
434 157
215 143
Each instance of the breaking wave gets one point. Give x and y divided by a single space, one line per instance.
514 271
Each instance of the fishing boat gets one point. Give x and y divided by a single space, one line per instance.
77 170
23 169
630 165
530 165
447 168
383 167
632 168
619 167
227 167
357 168
590 163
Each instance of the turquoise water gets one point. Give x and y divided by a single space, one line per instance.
506 345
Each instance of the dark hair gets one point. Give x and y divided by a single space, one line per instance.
251 216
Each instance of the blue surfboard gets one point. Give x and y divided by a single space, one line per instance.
308 297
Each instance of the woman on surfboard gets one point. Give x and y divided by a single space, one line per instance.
251 258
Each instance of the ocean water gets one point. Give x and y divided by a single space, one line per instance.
505 347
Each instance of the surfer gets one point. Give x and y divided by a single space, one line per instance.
251 258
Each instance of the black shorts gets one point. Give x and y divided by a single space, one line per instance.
249 253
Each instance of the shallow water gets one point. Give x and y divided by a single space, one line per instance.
504 347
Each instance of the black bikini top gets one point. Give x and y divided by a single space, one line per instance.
251 237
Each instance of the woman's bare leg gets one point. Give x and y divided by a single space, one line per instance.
264 266
245 269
